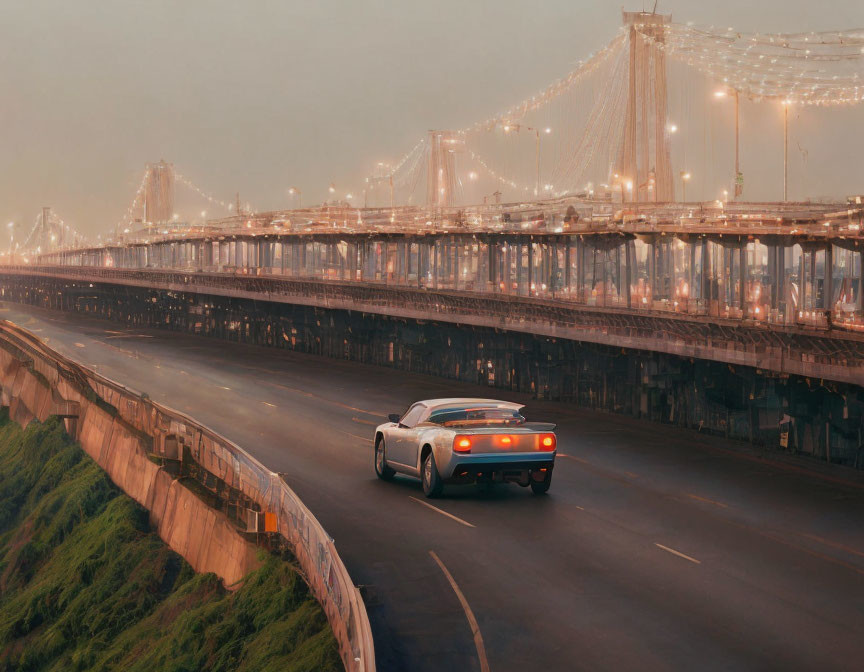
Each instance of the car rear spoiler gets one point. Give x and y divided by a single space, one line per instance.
541 426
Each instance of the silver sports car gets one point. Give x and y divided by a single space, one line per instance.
466 441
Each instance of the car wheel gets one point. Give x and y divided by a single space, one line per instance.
541 487
383 472
432 484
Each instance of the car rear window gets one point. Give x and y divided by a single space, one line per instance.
472 416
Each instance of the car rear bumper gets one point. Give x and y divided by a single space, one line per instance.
497 466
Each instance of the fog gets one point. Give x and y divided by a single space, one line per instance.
259 96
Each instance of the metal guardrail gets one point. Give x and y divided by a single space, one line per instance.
314 548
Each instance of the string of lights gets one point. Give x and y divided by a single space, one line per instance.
806 68
507 182
551 92
127 216
186 182
407 156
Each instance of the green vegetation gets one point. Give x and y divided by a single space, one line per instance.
86 585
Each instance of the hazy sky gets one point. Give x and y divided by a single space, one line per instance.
257 96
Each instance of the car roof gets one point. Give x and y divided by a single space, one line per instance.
432 404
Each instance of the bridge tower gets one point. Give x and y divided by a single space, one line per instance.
159 192
441 171
645 159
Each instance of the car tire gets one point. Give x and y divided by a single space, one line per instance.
382 471
541 487
431 479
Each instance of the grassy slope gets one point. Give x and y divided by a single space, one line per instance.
85 584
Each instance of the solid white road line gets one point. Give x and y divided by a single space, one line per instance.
475 629
443 513
679 554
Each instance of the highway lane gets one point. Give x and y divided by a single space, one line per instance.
657 548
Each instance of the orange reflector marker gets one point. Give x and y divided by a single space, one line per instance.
547 442
461 444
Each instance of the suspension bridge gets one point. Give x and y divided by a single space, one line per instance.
612 241
574 198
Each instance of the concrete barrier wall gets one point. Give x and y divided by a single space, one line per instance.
120 429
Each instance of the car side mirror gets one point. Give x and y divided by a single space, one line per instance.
394 417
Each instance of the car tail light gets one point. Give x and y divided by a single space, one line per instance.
547 442
506 440
462 444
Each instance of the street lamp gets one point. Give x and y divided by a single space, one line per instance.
547 131
294 191
738 182
785 150
685 178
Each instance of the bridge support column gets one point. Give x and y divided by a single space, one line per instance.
828 289
812 277
781 276
435 263
629 258
567 265
583 262
652 271
859 298
742 278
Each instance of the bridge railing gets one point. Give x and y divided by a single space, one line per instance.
314 548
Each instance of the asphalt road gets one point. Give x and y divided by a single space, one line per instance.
656 548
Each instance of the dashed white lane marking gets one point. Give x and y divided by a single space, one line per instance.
707 501
475 628
365 422
678 553
267 403
80 345
354 436
442 512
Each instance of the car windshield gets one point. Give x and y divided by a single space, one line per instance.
476 417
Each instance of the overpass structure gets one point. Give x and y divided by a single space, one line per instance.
773 286
585 241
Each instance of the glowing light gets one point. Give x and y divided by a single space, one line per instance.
720 94
673 128
472 176
547 131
